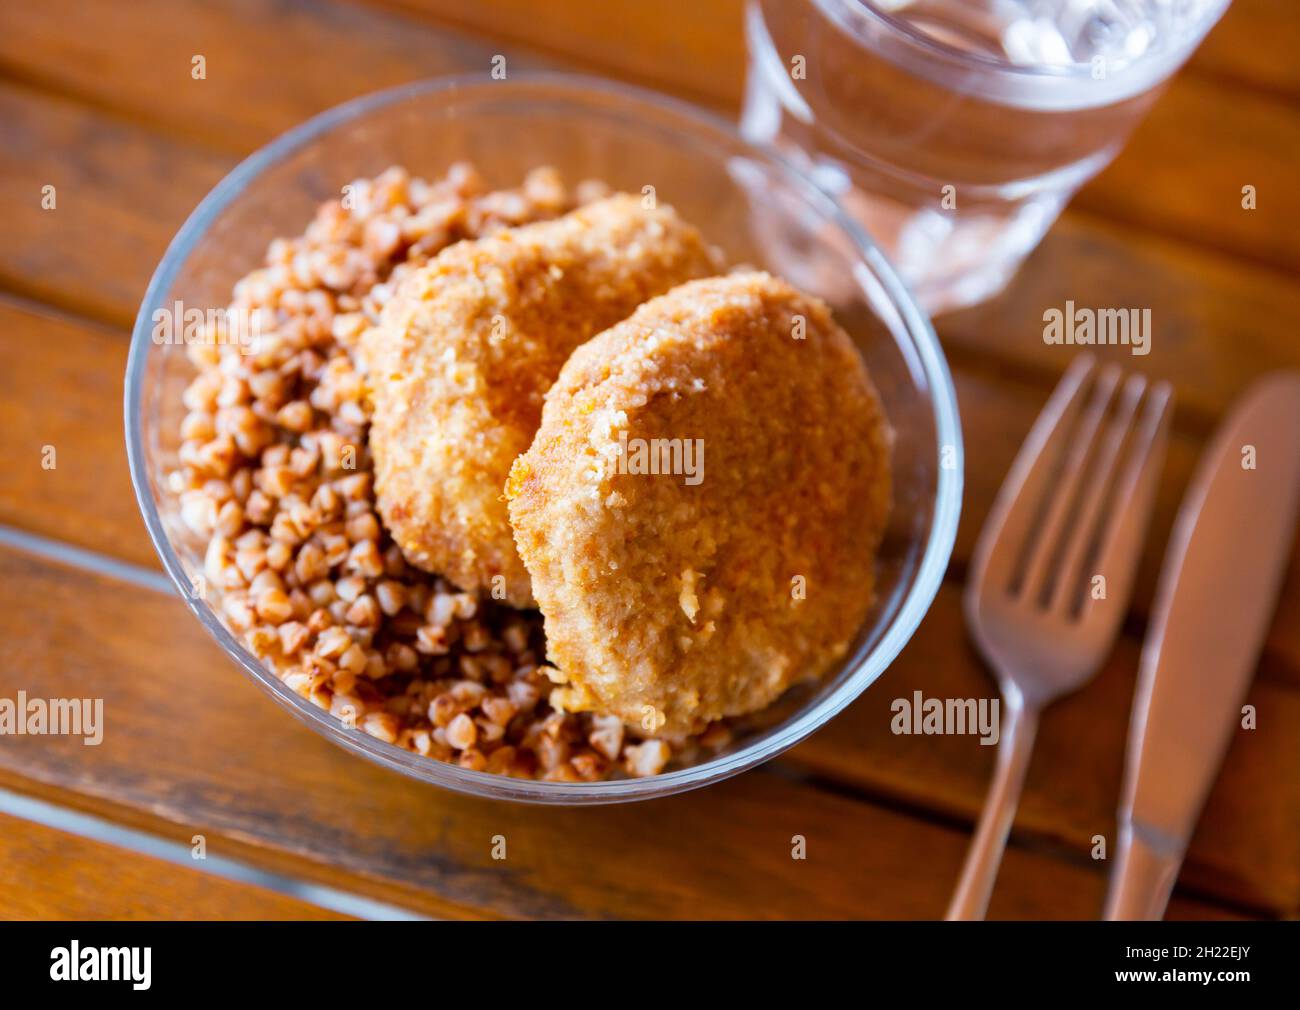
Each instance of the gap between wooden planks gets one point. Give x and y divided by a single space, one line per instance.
185 750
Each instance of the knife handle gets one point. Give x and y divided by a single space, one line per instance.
1143 878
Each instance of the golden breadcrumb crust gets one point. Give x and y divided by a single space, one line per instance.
671 603
464 353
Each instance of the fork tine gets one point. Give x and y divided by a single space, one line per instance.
1046 542
1015 509
1125 526
1084 531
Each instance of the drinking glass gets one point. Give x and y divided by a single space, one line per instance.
955 131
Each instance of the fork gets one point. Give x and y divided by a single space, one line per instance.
1067 523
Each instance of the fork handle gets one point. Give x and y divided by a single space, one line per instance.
971 899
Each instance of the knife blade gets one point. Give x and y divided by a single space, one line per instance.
1217 592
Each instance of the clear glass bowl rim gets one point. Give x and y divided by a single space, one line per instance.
576 88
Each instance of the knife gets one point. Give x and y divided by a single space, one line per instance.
1218 588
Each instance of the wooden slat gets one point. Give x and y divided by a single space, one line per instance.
120 195
860 751
269 63
65 393
1163 181
51 874
189 745
1182 172
1215 325
131 59
698 50
1255 44
1246 849
65 390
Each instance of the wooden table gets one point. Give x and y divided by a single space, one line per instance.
97 100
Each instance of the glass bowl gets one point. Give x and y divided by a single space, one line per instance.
745 199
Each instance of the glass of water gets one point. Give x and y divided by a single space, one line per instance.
956 130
